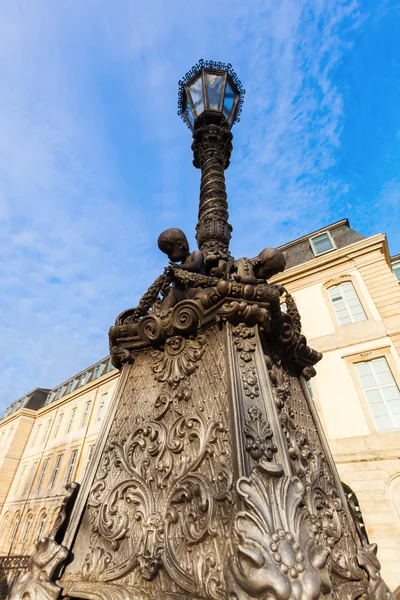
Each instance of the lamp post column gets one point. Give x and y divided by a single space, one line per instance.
212 147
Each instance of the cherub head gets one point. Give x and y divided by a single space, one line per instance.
268 263
174 244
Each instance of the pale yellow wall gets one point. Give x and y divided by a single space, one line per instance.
315 317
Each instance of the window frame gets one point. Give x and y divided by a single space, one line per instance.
345 278
42 523
348 308
396 267
28 525
14 528
72 419
363 356
72 464
86 413
313 248
43 472
56 471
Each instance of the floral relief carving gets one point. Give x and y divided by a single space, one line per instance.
327 517
277 556
178 360
245 344
162 502
258 435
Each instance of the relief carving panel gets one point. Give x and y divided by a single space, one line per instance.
161 504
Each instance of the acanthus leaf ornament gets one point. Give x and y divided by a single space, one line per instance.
178 359
258 436
276 557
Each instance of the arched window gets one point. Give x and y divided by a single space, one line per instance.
27 528
42 523
355 509
14 527
4 526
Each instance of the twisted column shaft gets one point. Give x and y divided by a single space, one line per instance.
212 147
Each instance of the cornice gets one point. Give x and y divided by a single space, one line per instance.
76 394
22 412
334 258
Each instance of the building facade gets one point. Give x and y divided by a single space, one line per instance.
47 439
347 290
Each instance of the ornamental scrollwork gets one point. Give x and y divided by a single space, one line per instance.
277 556
168 494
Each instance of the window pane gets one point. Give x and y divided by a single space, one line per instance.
378 410
322 243
214 84
334 293
229 99
196 92
367 381
373 396
396 269
383 423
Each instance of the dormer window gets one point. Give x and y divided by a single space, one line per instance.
322 243
396 269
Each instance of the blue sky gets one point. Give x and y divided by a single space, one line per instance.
94 161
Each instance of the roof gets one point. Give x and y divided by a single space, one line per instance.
40 397
300 250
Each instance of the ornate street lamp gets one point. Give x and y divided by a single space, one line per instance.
210 102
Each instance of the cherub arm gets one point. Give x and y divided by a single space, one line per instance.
193 263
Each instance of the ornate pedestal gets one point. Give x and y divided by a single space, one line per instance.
212 477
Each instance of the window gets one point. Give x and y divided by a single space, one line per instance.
71 420
42 523
27 528
89 457
4 526
14 527
21 474
101 407
56 471
60 418
86 413
345 301
72 464
2 439
381 392
36 434
72 385
46 431
30 479
84 378
98 371
396 269
322 243
42 474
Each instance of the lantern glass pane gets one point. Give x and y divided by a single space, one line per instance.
189 113
196 92
229 100
214 87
